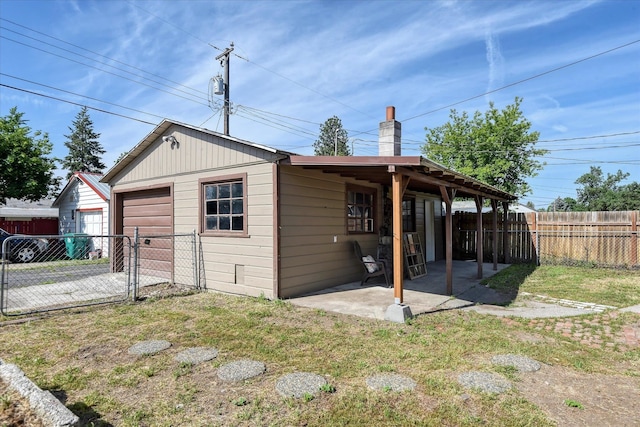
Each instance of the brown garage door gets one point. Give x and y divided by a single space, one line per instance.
152 212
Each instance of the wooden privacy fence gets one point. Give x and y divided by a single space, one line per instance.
594 238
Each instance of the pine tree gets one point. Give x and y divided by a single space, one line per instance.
84 148
330 131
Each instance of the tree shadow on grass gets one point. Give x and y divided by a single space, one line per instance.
509 280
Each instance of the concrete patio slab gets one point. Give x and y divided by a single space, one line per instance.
428 294
422 295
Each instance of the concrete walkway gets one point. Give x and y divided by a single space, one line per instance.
101 287
428 294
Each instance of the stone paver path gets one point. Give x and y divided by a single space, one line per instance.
484 381
390 382
300 384
521 363
587 306
196 355
595 333
145 348
241 370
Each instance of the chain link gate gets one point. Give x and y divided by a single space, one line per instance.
164 258
44 273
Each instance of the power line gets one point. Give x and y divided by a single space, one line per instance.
293 127
520 81
553 70
590 137
82 96
76 103
90 51
258 65
108 72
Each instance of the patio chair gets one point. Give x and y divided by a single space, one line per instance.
371 266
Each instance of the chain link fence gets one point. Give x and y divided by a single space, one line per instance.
45 273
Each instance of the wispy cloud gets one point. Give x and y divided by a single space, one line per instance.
496 62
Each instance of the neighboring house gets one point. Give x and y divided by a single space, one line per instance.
274 223
470 206
25 217
84 208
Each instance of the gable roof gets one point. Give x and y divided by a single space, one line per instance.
161 130
424 175
91 179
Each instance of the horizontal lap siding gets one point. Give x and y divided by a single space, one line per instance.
222 254
203 156
312 212
196 152
79 197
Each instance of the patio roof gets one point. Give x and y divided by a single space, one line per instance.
424 175
414 173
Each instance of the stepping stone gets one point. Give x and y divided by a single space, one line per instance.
196 355
299 384
484 381
241 370
390 382
521 363
145 348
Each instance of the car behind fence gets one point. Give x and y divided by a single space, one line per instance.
44 273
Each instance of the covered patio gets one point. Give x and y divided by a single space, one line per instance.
425 294
400 174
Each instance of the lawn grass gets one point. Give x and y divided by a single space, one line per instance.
614 287
83 356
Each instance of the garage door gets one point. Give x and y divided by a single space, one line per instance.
152 212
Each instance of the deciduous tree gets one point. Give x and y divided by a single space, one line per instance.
496 147
606 194
26 167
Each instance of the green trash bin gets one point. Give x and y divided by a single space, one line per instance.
77 245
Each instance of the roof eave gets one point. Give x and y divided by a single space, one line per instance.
421 165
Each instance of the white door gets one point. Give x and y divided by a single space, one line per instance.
429 231
91 223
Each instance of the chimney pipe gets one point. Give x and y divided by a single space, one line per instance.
391 113
389 136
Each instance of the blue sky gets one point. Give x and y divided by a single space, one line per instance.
576 64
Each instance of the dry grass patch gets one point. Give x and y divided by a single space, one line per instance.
83 356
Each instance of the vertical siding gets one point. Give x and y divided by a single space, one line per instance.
312 212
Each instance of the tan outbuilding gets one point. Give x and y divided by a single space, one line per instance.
277 224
